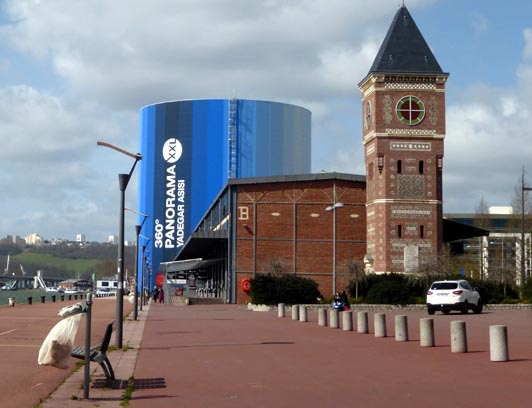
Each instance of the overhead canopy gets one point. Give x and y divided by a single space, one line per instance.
187 264
454 231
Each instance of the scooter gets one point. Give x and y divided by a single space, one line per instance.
341 306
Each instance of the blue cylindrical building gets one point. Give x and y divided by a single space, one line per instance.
191 148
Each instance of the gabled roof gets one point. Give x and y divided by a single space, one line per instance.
404 50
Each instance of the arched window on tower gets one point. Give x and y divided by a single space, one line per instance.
399 231
399 166
421 231
421 166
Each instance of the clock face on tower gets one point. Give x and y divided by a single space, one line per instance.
410 110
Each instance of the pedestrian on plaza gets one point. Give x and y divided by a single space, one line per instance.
161 295
345 300
155 294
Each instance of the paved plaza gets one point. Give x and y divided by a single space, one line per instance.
228 356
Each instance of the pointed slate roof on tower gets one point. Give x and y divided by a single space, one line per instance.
404 50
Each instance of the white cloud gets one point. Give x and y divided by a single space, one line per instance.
109 58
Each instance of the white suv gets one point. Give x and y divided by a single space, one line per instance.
453 295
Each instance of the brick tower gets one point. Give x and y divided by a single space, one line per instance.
403 99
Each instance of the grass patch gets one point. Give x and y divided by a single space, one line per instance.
48 260
126 396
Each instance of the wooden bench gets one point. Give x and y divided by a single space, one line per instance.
98 354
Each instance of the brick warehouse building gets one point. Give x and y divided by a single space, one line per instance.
310 226
324 226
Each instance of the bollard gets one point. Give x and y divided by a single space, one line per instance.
11 302
426 332
30 300
458 336
401 328
53 298
280 310
334 315
295 312
347 320
499 343
303 314
43 299
362 322
379 321
322 317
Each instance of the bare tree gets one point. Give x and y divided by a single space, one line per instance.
357 272
481 212
434 268
276 265
522 225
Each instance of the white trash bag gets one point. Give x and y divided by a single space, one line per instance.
57 345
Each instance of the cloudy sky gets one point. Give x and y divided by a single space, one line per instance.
74 72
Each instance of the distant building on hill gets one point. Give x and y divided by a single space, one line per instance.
34 239
14 240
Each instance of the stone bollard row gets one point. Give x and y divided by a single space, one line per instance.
498 333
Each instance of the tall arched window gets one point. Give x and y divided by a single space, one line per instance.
399 166
421 166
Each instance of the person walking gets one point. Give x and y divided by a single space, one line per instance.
155 294
161 295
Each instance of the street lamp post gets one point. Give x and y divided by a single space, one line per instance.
135 301
142 285
138 228
123 180
143 276
522 275
333 208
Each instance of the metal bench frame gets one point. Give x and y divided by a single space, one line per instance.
98 354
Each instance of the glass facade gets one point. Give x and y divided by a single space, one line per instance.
191 148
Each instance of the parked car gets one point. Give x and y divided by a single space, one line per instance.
453 295
101 292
